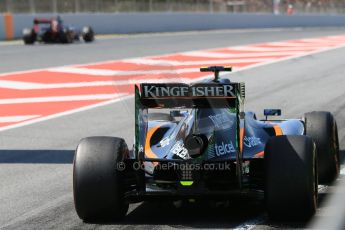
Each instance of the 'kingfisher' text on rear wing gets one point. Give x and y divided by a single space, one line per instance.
183 95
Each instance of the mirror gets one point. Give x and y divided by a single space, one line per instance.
272 112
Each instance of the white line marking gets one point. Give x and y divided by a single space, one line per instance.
304 44
6 119
146 61
252 223
239 55
60 98
321 41
19 85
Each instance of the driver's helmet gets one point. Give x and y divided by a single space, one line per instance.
54 25
58 18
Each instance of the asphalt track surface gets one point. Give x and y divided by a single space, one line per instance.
36 160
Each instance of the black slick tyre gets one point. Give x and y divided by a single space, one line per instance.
322 128
29 36
88 34
291 186
66 37
98 187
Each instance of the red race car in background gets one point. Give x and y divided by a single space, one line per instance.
53 30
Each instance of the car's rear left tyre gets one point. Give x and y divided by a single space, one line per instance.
322 127
29 36
98 185
291 186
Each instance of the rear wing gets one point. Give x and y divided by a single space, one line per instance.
178 95
199 95
43 20
215 94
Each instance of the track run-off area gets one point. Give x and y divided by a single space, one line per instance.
31 96
51 96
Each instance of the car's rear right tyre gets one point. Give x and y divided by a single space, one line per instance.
322 127
98 185
66 37
88 34
291 186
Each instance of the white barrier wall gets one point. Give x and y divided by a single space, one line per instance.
164 22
